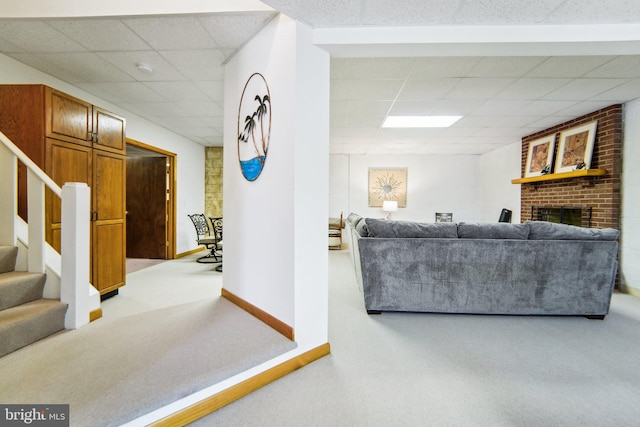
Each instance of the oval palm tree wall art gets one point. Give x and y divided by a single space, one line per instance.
254 126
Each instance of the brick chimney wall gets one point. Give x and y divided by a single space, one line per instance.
600 193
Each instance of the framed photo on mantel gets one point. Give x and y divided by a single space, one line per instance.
576 148
540 156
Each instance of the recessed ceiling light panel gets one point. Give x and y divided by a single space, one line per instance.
420 121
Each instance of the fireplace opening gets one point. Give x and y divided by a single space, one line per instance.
562 215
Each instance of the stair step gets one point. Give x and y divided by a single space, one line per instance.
20 287
8 255
30 322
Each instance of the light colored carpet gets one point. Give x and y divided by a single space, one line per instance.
404 369
135 264
144 354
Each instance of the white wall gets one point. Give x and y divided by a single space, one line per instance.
275 227
190 167
630 217
496 171
434 184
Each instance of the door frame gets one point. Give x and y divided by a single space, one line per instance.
171 193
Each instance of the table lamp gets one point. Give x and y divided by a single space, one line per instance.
389 206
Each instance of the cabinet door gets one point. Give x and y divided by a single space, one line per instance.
64 163
109 131
68 119
108 225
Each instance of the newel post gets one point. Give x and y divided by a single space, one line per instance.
75 248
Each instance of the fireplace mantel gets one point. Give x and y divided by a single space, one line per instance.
562 175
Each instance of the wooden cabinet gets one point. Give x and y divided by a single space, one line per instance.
74 141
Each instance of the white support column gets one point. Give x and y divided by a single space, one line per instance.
75 253
8 194
35 201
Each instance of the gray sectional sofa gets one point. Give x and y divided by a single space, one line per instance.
535 268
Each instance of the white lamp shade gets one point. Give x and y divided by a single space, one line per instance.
390 205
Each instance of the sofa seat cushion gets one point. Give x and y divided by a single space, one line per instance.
409 229
543 230
500 230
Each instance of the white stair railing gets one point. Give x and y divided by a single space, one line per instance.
74 275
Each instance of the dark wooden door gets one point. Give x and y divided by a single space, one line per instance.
147 207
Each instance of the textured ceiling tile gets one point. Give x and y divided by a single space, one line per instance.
543 108
197 64
376 89
39 63
501 107
170 33
409 12
412 108
100 34
476 88
371 68
620 67
178 91
500 12
234 30
214 89
623 93
128 61
334 13
427 88
505 66
443 67
89 66
37 36
529 88
583 89
8 47
131 92
568 66
594 12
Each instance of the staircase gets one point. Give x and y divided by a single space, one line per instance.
25 317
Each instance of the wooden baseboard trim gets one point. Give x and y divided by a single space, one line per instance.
233 393
95 314
193 251
265 317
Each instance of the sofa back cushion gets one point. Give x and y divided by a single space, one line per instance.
543 230
410 229
500 230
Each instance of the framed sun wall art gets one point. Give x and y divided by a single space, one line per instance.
540 156
387 184
576 148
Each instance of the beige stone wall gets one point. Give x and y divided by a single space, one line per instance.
213 181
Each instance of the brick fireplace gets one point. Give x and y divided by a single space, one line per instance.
593 201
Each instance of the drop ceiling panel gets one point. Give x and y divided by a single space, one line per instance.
197 64
162 70
568 66
531 88
224 29
100 34
88 66
171 33
583 89
178 91
428 88
37 36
